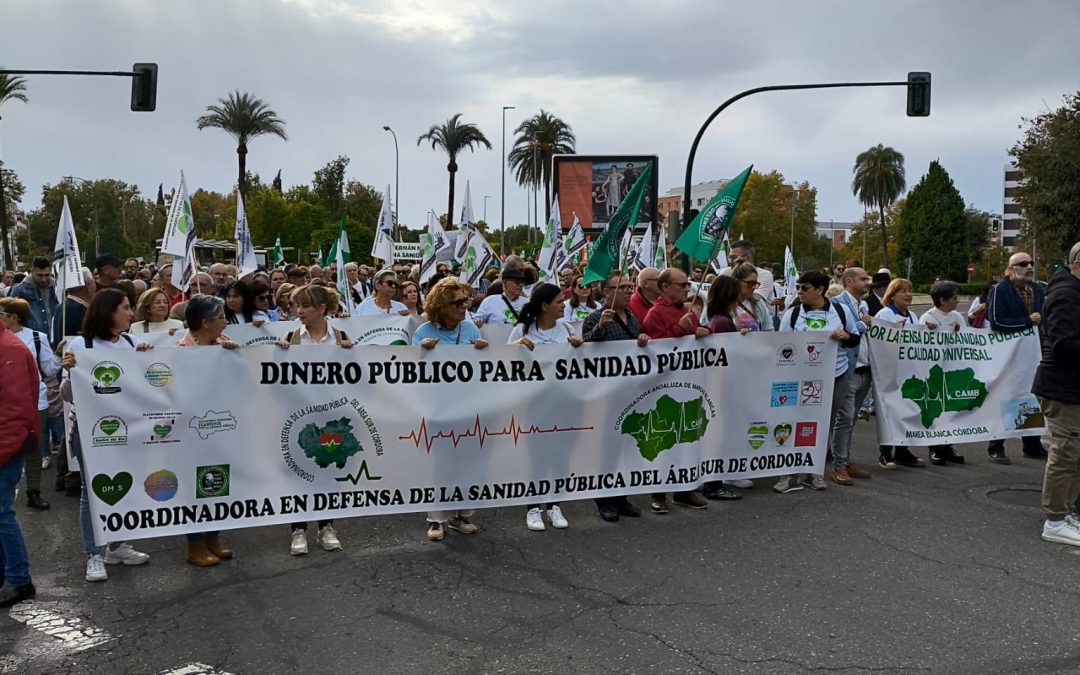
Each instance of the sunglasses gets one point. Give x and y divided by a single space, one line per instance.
751 284
806 287
1024 263
391 284
460 302
264 296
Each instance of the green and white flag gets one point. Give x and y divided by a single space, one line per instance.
644 256
476 259
245 250
278 253
466 225
551 255
383 246
67 261
434 240
341 256
703 235
791 273
722 260
659 259
179 222
340 245
605 253
574 241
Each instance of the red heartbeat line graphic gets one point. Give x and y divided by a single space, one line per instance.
481 432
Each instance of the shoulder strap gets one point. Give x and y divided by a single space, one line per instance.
840 312
37 348
293 337
509 306
88 342
795 314
128 338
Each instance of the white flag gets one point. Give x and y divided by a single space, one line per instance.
550 253
721 261
476 259
660 260
179 223
791 273
466 210
184 269
574 240
645 254
383 247
434 240
245 250
67 263
342 279
624 249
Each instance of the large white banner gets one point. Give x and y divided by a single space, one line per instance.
188 439
936 387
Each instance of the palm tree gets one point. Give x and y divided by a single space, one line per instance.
539 138
878 182
244 117
12 88
454 137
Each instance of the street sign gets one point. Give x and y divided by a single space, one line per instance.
971 268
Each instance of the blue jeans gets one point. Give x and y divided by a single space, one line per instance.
53 432
12 546
86 521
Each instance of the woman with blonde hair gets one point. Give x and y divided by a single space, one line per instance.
409 295
152 313
896 309
282 300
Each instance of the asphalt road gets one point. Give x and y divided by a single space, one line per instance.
938 569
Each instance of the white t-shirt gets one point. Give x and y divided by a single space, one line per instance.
306 339
156 326
892 316
945 321
369 308
494 310
559 334
77 342
826 320
48 362
579 313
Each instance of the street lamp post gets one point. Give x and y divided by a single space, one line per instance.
502 198
397 181
486 197
794 197
97 228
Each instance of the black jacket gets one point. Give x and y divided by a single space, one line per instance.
1058 376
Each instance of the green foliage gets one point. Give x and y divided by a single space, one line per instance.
453 137
329 184
1049 157
934 229
764 217
864 244
878 182
980 240
244 117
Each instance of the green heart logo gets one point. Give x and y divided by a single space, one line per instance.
782 432
756 434
106 374
109 425
111 490
162 430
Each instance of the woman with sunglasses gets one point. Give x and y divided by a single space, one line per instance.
582 302
381 301
896 309
265 310
751 311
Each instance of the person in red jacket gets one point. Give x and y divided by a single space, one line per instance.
645 295
18 431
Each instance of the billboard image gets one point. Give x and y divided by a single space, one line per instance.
593 187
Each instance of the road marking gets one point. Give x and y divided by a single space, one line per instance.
76 634
195 669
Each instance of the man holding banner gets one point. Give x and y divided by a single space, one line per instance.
1057 384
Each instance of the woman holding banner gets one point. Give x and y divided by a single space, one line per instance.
152 313
540 323
896 309
205 316
724 294
944 318
752 311
313 304
105 326
445 309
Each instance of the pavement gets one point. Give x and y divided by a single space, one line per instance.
937 569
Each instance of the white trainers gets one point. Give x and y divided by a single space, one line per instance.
534 521
327 538
1063 531
787 484
299 542
95 569
45 462
814 481
741 483
125 555
556 517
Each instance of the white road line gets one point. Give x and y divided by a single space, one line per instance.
195 669
75 633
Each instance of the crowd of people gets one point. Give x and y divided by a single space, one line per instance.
119 301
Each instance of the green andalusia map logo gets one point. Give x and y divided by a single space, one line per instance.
669 423
334 443
944 391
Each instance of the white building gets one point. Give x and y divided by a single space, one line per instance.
1012 218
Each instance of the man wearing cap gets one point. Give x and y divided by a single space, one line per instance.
1015 304
878 285
106 270
504 308
1057 384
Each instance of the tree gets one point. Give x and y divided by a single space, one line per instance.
12 88
329 184
1049 157
934 230
242 116
979 236
453 137
540 137
861 244
277 182
878 182
767 208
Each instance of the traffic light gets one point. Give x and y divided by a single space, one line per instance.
918 94
144 87
994 227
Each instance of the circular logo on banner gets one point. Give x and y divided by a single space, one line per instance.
329 436
212 481
161 486
158 375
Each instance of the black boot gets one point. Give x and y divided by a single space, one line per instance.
34 500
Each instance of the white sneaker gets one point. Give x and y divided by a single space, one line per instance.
787 484
299 542
45 462
1062 532
95 569
556 517
534 521
125 555
814 481
741 483
327 538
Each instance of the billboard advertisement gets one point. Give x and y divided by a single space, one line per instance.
593 186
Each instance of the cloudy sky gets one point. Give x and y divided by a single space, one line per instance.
631 77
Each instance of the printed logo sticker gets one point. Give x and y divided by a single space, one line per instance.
158 375
212 481
163 427
814 351
213 422
756 434
781 433
105 377
109 430
663 417
785 394
810 392
111 490
785 354
161 486
805 434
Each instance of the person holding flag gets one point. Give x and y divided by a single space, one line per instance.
606 252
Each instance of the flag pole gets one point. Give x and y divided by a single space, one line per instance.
63 312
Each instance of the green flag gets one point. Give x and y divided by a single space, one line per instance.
279 253
341 241
703 235
605 253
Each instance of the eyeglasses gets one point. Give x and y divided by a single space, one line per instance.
579 287
624 288
264 296
1024 263
391 284
806 287
460 302
751 284
840 269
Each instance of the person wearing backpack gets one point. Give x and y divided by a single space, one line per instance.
814 312
15 312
